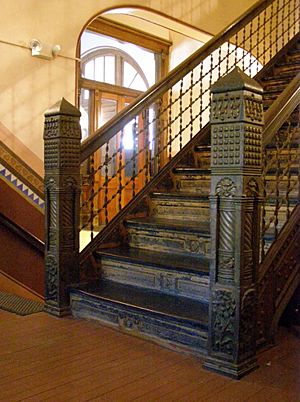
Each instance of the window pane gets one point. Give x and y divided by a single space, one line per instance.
99 70
128 74
128 135
89 70
84 109
108 109
138 83
109 70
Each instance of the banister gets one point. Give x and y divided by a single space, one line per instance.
281 109
107 131
23 233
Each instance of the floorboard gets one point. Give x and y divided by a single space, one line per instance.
43 358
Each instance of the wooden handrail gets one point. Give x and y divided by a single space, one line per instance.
107 131
281 109
23 233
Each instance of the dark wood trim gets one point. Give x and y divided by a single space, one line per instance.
281 109
23 233
84 83
107 131
125 33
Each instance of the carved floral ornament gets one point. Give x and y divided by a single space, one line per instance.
52 277
226 188
224 310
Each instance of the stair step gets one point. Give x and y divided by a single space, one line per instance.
192 180
169 320
180 205
186 276
169 235
192 171
202 148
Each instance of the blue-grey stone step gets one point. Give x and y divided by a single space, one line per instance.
175 322
180 206
186 276
169 235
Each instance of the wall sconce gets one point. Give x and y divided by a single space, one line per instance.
43 51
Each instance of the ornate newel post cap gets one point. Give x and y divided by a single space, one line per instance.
236 80
63 107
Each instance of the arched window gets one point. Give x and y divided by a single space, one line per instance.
113 66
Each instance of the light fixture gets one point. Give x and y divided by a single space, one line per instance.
43 51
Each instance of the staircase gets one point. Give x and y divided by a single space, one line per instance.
177 256
156 285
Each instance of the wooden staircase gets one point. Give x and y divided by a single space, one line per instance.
156 284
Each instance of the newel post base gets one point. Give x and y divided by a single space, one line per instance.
62 136
236 124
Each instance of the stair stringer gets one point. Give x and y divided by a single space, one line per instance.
279 276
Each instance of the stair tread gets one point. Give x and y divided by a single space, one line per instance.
181 195
192 170
199 265
171 224
181 308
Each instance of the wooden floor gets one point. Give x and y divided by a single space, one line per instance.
43 358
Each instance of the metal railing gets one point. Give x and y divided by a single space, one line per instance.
281 163
162 121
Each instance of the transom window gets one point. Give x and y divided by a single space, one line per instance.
114 66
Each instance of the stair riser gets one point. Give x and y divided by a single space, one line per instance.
169 241
174 333
168 281
179 209
192 184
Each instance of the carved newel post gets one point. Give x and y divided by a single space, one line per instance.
236 125
62 136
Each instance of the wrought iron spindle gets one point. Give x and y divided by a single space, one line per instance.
106 181
170 122
146 144
180 114
277 188
121 171
134 153
191 102
289 167
92 194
